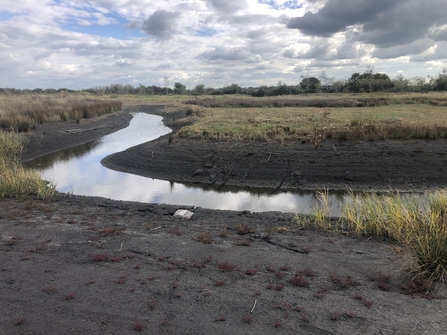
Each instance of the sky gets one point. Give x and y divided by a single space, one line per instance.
83 44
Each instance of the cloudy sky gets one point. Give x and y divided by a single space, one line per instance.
82 44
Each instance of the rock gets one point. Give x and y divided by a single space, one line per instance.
183 213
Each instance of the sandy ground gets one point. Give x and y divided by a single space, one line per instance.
87 265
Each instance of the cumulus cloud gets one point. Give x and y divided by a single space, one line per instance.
160 24
81 44
337 15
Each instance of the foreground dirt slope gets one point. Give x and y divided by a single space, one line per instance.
91 266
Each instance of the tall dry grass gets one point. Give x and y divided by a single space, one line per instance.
15 180
21 112
418 222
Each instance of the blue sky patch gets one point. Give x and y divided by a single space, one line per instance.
205 33
292 4
4 16
116 30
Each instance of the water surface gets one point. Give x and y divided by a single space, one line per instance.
79 170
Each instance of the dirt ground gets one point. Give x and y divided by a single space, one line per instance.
86 265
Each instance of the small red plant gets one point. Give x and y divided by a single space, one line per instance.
25 258
137 266
270 268
207 260
90 281
4 269
300 281
276 287
219 282
251 272
305 316
164 322
111 231
131 290
69 296
20 321
220 319
226 266
280 274
246 318
351 314
278 323
285 267
283 306
138 326
48 270
342 281
366 302
335 316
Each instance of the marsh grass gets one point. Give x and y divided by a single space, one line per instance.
23 112
15 180
316 125
418 222
321 210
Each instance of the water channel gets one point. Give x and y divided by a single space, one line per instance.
78 170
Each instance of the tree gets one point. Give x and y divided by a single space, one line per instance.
441 81
310 84
166 81
179 88
200 89
232 89
400 83
325 80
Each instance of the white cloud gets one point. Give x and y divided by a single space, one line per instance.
81 44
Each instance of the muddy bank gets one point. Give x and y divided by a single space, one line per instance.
403 165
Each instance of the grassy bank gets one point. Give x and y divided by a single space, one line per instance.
15 180
23 111
310 124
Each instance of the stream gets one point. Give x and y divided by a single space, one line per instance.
78 170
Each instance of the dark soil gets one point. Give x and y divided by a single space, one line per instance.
87 265
404 165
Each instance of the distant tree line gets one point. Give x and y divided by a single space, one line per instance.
356 83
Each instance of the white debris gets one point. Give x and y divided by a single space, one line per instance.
183 213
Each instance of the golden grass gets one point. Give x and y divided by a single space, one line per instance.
312 124
418 222
15 180
21 112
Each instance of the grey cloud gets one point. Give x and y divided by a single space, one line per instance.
414 48
337 15
383 23
439 53
227 6
439 35
160 24
222 53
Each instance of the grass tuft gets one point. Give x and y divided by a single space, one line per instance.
418 222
